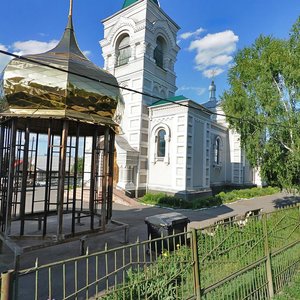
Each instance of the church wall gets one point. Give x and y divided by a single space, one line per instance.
187 169
143 22
219 170
168 174
189 163
198 151
195 142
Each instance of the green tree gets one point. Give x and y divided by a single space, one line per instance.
263 105
79 166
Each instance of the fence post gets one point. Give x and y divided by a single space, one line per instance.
268 257
6 285
196 265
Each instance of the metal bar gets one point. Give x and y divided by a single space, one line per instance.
6 285
2 167
75 179
64 283
97 275
268 257
87 275
196 264
61 181
110 174
12 149
35 171
104 180
82 173
50 283
93 179
76 279
24 179
106 267
69 155
18 152
36 285
48 163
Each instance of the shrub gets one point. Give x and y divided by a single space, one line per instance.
246 194
162 199
169 275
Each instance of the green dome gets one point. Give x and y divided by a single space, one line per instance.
130 2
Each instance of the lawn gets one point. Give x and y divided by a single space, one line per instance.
161 199
292 291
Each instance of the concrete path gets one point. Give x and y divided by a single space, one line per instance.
135 215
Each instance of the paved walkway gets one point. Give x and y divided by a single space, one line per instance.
135 215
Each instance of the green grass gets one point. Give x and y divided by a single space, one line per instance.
162 199
228 250
292 291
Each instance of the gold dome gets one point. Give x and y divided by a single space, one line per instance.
30 88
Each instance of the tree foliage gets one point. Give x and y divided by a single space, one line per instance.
263 102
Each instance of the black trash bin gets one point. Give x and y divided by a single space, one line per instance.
166 225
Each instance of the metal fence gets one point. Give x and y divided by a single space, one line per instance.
251 258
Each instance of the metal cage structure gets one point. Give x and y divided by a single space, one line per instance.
56 178
58 115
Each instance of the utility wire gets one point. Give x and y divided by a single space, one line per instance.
158 99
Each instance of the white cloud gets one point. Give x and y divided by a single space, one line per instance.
35 47
209 73
32 47
4 59
87 53
199 90
2 47
214 51
28 47
187 35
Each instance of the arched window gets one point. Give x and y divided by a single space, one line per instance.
161 143
159 52
217 151
123 51
163 94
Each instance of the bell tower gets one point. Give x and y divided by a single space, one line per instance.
140 50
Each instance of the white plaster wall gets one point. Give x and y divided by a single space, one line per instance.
143 22
170 174
187 168
218 173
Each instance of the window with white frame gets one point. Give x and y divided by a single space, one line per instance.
161 143
217 151
123 50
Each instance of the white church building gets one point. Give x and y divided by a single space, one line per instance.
175 146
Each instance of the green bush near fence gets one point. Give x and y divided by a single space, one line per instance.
162 199
169 279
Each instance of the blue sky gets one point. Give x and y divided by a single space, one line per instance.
211 32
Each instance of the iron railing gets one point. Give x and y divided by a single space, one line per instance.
251 258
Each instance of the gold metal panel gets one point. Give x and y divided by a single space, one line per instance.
33 89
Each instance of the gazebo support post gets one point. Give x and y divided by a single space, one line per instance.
61 180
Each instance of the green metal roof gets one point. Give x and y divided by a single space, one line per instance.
170 100
130 2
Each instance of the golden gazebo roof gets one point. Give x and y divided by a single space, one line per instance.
47 85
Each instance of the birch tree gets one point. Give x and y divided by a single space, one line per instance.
263 106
